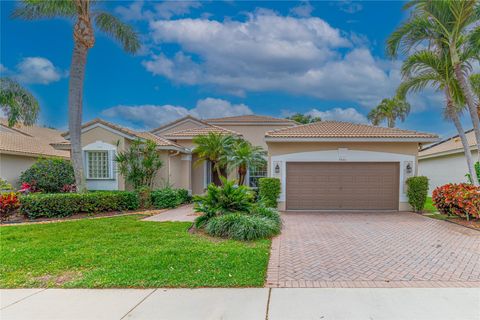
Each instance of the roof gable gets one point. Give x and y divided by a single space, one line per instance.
191 133
179 123
448 146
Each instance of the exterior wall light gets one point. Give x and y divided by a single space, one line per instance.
277 169
409 168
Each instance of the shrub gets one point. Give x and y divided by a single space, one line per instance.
8 204
269 191
417 192
169 198
242 227
457 199
66 204
5 186
49 175
262 211
225 199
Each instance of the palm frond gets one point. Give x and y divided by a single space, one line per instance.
118 30
41 9
17 103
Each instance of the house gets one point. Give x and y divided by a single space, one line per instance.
21 146
322 166
444 162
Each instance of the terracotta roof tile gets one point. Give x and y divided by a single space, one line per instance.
335 129
30 140
199 131
248 118
451 144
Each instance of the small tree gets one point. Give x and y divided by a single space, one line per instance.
140 163
49 175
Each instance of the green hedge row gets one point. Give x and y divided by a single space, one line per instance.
52 205
170 198
66 204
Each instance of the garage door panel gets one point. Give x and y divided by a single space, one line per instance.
337 186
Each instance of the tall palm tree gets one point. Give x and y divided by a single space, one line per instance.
243 156
426 68
450 24
475 82
390 110
214 147
85 14
18 104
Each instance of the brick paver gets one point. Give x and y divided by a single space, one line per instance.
373 249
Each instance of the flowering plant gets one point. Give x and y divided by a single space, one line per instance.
8 203
458 199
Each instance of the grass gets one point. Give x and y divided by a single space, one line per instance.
429 207
432 212
126 252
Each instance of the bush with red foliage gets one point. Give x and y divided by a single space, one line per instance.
9 202
27 188
458 199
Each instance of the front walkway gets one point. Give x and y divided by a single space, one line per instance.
183 213
250 303
373 249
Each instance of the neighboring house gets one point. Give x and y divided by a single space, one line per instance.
21 146
444 162
322 166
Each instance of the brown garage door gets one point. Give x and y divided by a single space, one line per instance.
342 186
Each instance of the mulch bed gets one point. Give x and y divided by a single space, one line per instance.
18 218
472 224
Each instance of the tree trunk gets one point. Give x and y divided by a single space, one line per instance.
75 103
466 148
471 104
242 172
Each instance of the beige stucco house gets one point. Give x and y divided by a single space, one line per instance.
21 146
322 166
444 162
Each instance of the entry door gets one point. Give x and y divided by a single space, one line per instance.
342 185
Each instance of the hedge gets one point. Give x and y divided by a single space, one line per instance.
49 174
417 192
67 204
169 198
269 191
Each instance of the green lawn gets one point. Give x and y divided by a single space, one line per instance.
429 207
125 252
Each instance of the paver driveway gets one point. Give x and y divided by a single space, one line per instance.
373 249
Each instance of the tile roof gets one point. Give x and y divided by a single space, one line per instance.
173 123
249 119
336 129
160 141
449 145
188 133
30 140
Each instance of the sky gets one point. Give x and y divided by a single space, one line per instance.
221 58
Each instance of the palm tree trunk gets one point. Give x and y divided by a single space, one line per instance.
466 148
471 104
75 103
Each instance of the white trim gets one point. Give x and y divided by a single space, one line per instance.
420 140
110 183
101 125
174 124
343 155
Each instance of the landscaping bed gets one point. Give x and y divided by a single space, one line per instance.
126 252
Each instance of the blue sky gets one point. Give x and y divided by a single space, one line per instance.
221 58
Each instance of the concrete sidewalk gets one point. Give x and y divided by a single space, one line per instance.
250 303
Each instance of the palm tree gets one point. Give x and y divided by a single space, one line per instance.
17 103
243 156
390 110
475 83
452 25
303 118
214 147
84 14
425 68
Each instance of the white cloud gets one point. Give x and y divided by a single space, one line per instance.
37 70
339 114
3 69
153 116
303 10
163 10
349 6
268 52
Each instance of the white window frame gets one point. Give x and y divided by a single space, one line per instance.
108 163
100 146
249 176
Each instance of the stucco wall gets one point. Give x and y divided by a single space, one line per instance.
444 169
404 153
11 166
254 133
